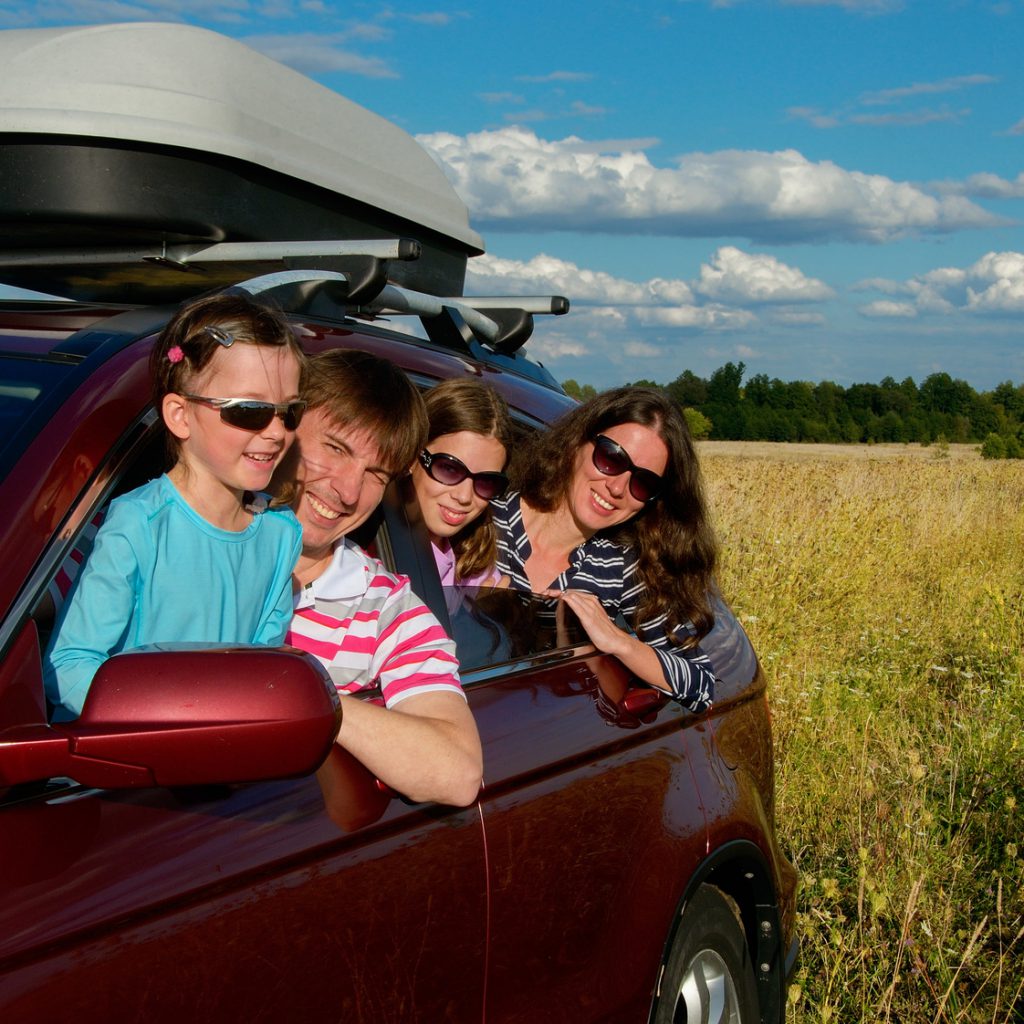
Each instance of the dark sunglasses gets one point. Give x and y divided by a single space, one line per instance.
249 414
612 459
448 470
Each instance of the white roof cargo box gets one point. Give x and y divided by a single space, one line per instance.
137 135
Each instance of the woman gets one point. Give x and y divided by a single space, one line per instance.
458 473
609 517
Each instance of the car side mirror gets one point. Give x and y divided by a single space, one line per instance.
186 716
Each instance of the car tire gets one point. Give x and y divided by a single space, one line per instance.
708 976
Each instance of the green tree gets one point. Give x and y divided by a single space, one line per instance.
699 424
580 392
993 447
688 389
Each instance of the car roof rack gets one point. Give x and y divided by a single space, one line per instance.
502 324
350 277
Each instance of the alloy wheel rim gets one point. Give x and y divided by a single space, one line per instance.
707 994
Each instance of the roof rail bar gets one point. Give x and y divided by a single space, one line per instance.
364 262
555 305
505 326
186 255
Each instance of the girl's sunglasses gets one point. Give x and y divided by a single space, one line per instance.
612 459
248 414
448 470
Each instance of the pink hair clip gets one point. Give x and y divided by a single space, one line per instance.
175 355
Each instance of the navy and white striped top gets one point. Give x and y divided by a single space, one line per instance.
608 570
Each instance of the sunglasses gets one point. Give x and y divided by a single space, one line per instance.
612 459
448 470
249 414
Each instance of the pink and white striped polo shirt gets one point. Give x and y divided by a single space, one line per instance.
368 627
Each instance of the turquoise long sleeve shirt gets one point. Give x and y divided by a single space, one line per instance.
159 572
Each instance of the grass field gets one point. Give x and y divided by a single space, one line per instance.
884 591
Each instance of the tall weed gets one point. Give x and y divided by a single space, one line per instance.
886 601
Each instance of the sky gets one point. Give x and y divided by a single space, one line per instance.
820 189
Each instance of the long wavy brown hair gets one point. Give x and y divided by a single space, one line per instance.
672 535
453 406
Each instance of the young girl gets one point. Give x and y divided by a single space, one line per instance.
197 554
458 473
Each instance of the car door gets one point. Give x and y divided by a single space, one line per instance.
323 897
592 812
239 902
591 801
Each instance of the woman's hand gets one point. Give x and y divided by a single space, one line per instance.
637 656
603 633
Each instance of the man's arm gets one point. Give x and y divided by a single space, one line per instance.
425 747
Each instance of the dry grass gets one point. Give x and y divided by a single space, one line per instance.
886 599
861 452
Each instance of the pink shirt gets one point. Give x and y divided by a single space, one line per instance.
445 559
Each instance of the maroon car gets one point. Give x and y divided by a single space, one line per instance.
195 845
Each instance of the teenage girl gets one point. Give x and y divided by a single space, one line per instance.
458 473
196 554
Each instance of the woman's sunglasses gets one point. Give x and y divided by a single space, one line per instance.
448 470
249 414
612 459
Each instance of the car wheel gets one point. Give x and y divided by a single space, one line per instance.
708 976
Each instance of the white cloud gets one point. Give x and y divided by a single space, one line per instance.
992 286
90 12
313 53
556 346
985 186
1001 279
707 318
731 278
737 276
545 274
909 118
854 6
956 84
557 76
613 320
500 97
888 308
853 113
881 284
641 350
796 318
511 179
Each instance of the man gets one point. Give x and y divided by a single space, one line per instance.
364 424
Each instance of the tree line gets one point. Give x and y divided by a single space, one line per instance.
940 408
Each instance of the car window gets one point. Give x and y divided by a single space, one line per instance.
495 626
23 382
73 541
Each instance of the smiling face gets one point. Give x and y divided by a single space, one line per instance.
447 508
598 502
215 455
340 481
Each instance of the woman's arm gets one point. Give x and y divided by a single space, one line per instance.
683 673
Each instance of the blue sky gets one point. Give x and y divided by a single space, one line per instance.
823 189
